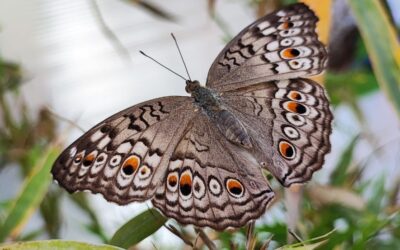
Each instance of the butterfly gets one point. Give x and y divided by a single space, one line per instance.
200 158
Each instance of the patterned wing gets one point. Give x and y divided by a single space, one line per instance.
122 157
212 182
291 121
281 45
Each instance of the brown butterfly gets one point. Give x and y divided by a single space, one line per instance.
199 158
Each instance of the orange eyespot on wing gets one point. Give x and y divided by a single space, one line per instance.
286 150
234 187
172 180
286 25
290 53
89 159
185 184
294 95
295 107
130 165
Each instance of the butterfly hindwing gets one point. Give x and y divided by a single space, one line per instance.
210 182
281 45
121 156
291 121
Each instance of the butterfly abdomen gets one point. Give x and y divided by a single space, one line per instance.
232 128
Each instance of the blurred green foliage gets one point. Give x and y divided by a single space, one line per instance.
348 212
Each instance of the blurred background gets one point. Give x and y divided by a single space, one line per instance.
66 65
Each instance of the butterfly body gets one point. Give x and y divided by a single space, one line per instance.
199 158
210 103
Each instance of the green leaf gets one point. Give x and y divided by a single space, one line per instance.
346 87
382 45
309 244
56 244
339 175
138 228
31 194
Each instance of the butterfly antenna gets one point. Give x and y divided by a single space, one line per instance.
141 52
180 53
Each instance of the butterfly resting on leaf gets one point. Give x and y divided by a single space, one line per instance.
199 158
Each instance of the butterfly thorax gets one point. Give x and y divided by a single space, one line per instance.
210 103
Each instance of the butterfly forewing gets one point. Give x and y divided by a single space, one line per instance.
122 157
281 45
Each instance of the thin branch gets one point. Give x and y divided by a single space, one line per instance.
64 119
205 239
294 235
251 239
266 243
119 47
175 231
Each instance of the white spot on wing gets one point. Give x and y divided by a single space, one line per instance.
104 142
124 148
72 152
273 56
140 149
268 31
274 45
263 25
97 135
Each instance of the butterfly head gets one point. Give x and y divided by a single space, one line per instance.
192 86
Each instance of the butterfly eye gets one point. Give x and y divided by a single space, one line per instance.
234 187
287 150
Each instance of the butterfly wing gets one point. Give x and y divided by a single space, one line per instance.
291 123
122 157
212 182
281 45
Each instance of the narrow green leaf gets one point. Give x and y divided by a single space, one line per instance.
31 194
138 228
56 244
382 45
309 244
339 175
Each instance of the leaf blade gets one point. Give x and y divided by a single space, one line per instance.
138 228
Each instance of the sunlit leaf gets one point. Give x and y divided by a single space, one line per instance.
382 45
339 175
347 87
56 244
309 244
31 194
138 228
